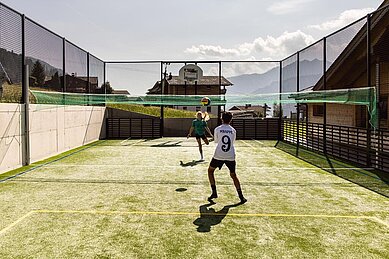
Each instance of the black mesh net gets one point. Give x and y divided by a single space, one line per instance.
10 55
76 80
44 56
289 84
96 75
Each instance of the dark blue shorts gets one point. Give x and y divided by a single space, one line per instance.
201 136
231 165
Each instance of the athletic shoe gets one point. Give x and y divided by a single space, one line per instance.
213 196
243 200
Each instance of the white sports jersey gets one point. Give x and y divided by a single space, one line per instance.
225 136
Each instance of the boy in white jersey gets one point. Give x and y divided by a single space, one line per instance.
224 136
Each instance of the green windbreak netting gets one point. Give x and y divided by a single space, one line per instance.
355 96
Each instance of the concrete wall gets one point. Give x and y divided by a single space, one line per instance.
10 137
53 130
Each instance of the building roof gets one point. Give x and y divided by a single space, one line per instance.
92 79
176 81
205 80
245 114
256 108
120 91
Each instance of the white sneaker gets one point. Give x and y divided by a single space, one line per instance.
201 157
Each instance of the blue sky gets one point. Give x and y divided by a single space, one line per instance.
202 29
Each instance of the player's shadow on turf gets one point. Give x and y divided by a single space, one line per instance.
168 144
191 163
209 217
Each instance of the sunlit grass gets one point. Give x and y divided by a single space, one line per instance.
120 199
13 94
155 110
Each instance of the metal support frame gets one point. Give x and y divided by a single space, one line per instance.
280 105
26 119
162 107
220 85
325 88
87 73
25 101
104 82
298 105
64 65
368 51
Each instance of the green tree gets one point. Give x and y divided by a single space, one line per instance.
106 88
276 110
38 72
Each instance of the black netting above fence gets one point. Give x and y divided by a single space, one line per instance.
137 78
44 55
10 55
76 69
337 43
252 77
311 66
346 53
289 84
96 75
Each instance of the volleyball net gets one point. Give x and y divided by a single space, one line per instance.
365 96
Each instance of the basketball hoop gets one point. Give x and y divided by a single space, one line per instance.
190 81
190 74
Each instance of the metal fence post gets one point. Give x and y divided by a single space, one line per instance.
162 108
280 106
88 98
220 85
63 65
25 101
324 88
26 118
23 57
104 83
298 105
368 39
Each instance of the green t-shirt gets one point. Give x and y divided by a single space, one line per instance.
199 126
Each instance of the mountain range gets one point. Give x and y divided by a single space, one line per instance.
268 82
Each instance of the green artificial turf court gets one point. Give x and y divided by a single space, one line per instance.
147 199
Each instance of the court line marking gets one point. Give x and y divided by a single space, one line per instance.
16 222
259 142
248 144
139 141
206 163
381 221
121 142
174 213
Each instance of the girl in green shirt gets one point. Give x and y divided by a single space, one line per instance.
199 126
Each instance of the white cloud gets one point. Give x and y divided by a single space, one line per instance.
212 51
269 48
344 19
286 7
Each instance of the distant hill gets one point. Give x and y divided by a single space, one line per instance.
310 73
250 83
12 64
